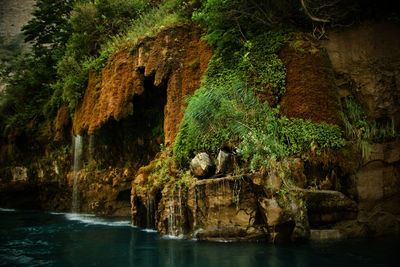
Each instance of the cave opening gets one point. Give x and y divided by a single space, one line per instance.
134 140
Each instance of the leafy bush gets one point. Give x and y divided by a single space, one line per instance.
262 64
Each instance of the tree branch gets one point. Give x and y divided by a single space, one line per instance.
310 15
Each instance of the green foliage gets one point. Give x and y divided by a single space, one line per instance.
159 173
262 64
301 136
235 22
99 29
226 112
26 92
93 25
256 63
151 23
9 49
94 22
219 115
357 127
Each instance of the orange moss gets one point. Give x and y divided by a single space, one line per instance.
177 58
311 92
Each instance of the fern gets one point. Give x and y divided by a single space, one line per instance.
357 127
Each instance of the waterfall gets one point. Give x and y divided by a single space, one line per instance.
175 216
150 224
77 140
171 216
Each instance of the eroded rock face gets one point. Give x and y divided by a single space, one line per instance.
201 166
104 192
365 54
326 206
176 59
228 208
225 209
378 186
151 81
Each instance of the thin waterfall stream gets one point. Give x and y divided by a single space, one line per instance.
77 140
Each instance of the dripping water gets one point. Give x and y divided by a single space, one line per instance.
171 216
195 208
77 140
180 211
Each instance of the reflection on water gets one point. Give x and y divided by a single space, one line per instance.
61 239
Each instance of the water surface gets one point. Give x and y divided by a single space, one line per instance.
31 238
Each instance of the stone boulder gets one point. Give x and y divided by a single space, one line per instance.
202 166
224 163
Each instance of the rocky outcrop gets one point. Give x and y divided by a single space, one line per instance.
326 206
139 96
378 184
104 192
366 63
19 174
234 208
225 209
367 67
129 108
174 61
63 124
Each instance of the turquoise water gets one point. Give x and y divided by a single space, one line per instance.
30 238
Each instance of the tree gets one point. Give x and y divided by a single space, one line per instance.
31 74
49 28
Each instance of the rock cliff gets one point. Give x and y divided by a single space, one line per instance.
135 103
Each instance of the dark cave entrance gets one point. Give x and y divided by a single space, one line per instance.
133 142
